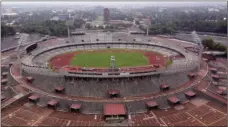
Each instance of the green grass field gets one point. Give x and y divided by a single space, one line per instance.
102 59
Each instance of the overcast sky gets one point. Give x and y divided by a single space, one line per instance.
105 3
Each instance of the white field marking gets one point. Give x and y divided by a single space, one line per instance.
129 116
12 113
196 119
21 118
216 110
42 117
38 120
217 120
68 123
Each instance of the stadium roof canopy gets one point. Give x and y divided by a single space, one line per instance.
30 78
173 99
34 97
212 69
113 92
3 97
191 74
59 88
4 73
53 102
75 106
114 109
164 86
214 76
220 92
151 104
190 93
4 81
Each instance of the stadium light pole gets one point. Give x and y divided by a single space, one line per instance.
69 23
198 41
18 53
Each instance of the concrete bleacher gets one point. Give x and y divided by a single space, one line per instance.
95 88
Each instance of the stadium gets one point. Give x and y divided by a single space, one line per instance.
114 78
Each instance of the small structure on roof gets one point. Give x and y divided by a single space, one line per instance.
221 92
114 112
75 107
164 87
215 77
29 79
4 81
205 59
213 70
191 74
190 94
10 64
113 93
222 73
4 74
173 100
215 83
53 103
59 89
3 97
151 104
34 98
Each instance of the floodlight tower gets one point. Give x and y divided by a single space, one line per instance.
19 43
69 23
197 40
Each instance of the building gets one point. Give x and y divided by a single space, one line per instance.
106 15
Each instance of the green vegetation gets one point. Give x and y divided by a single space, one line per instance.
102 59
169 62
53 28
7 31
211 45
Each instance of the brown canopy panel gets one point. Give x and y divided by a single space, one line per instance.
59 88
75 106
215 76
190 93
220 92
3 97
53 102
215 83
4 73
164 86
113 92
205 59
4 81
34 97
191 74
30 78
114 109
151 104
173 99
212 69
222 73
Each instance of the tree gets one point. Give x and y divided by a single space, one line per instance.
214 46
7 31
88 26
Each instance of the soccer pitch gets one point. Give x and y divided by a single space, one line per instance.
102 58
